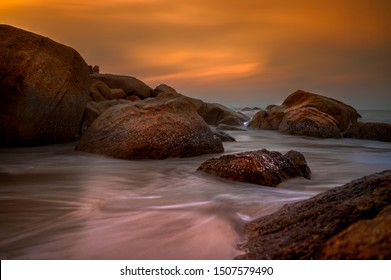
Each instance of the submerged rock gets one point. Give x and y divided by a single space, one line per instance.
309 114
43 89
150 129
261 167
348 222
370 131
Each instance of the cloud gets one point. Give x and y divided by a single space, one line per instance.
263 49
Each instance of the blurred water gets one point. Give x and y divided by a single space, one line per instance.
56 203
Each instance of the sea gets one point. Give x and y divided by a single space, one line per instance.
57 203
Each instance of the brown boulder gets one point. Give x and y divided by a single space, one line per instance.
150 129
329 225
261 167
130 85
99 91
370 131
43 89
309 121
308 114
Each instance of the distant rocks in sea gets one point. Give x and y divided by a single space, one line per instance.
307 114
263 167
348 222
43 89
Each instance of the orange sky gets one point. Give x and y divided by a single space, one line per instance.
242 52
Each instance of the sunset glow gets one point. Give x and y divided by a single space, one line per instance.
262 49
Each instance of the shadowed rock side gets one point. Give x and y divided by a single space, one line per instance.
309 114
370 131
348 222
150 129
43 89
262 167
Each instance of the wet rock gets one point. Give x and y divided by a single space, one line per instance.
225 137
130 85
150 129
351 221
370 131
261 167
309 114
44 89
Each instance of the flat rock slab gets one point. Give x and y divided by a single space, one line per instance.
263 167
348 222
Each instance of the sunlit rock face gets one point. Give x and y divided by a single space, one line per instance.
43 89
154 128
308 114
348 222
268 168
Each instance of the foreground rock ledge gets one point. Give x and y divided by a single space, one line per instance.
263 167
348 222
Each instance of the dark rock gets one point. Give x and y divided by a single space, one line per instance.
230 127
150 129
370 131
99 91
130 85
231 121
329 225
225 137
43 89
305 113
262 167
164 88
309 121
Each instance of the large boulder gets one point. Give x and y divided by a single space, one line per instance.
305 113
263 167
43 89
150 129
348 222
370 131
130 85
99 91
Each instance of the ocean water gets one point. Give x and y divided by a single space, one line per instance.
56 203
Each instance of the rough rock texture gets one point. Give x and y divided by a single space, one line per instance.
305 113
370 131
309 121
130 85
346 222
94 109
150 129
261 167
43 89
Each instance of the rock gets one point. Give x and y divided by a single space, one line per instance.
225 137
230 127
44 89
370 131
133 98
130 85
231 121
261 167
94 109
150 129
305 113
99 91
351 221
164 88
309 121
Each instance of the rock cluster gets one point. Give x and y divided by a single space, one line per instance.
348 222
308 114
263 167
